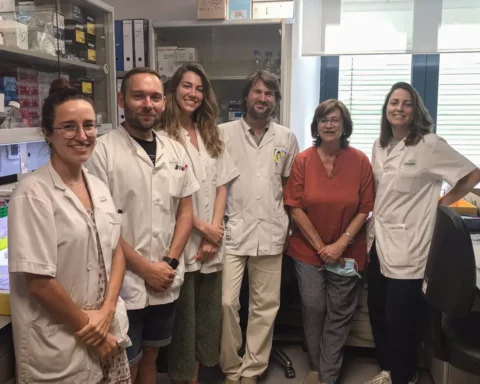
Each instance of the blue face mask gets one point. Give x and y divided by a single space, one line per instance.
347 270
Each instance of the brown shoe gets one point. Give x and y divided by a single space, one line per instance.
248 380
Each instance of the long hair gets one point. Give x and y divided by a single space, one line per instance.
322 111
422 123
204 116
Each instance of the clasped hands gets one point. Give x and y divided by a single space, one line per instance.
332 253
96 333
212 238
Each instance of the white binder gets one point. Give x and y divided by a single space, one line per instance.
139 43
127 45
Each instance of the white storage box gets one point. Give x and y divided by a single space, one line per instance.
7 6
186 54
166 53
272 9
15 34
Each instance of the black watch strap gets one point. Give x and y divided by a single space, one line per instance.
172 262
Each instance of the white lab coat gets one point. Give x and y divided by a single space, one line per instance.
210 173
148 196
257 220
407 184
51 234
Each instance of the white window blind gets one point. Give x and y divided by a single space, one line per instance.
364 81
458 115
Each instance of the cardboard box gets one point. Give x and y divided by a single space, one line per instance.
211 9
166 53
187 54
7 6
15 34
272 9
239 9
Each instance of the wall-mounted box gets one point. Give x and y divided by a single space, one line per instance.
239 9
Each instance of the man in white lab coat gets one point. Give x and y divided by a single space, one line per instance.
255 232
151 187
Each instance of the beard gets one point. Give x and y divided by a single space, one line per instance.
261 115
133 121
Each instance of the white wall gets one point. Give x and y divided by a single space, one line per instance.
157 10
305 92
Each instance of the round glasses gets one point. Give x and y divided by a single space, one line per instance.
334 122
69 131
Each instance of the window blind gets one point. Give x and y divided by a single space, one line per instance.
364 81
458 115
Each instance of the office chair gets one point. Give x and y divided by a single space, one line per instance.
449 289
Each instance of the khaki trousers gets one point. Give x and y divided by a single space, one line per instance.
264 274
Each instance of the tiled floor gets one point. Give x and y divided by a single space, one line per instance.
359 367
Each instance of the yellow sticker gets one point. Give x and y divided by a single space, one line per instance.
92 55
87 87
80 36
91 29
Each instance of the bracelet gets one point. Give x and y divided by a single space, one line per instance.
351 238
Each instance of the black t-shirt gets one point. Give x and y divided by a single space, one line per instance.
149 146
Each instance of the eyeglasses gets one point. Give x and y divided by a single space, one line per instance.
69 131
335 122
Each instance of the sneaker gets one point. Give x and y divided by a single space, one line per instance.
311 378
382 378
414 380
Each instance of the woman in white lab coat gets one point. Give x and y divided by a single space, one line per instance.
66 270
409 164
189 117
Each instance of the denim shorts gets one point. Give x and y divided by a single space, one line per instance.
150 327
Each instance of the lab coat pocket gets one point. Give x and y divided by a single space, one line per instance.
279 158
115 223
397 246
408 182
54 353
175 180
232 232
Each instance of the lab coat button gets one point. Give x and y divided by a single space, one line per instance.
258 174
204 180
155 203
88 306
89 266
155 234
155 171
258 197
258 221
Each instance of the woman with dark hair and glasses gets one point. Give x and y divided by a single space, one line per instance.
189 118
409 164
330 194
66 268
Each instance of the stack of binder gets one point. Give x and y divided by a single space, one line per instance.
131 44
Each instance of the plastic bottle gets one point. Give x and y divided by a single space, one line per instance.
258 60
268 62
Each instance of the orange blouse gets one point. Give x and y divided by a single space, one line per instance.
330 203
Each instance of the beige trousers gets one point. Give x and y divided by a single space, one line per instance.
264 274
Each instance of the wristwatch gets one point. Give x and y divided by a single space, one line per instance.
170 261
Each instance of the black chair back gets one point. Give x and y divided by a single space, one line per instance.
450 281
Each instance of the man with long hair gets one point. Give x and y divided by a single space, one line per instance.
255 232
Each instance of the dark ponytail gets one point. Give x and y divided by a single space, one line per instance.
60 92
